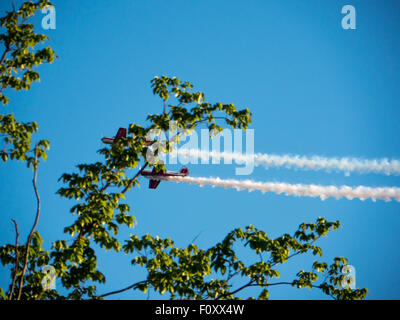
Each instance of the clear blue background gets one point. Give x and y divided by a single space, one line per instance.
313 89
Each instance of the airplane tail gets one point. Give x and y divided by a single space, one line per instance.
153 184
121 133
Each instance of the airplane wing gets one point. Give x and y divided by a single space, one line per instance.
156 177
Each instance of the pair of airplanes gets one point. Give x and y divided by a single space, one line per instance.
152 175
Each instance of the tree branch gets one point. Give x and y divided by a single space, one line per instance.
135 177
16 259
272 264
290 283
8 79
3 57
249 284
82 231
28 243
132 286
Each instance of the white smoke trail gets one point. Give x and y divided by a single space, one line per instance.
347 165
324 192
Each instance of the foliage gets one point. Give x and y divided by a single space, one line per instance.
19 59
101 212
98 191
184 273
17 63
38 258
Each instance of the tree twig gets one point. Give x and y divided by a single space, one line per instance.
21 282
8 79
135 177
249 284
124 289
4 55
16 259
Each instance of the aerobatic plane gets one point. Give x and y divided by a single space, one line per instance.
120 134
153 175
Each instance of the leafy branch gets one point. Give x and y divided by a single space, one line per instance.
97 219
183 273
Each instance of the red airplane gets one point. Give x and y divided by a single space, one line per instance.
153 184
120 134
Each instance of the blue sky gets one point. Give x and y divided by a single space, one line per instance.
313 88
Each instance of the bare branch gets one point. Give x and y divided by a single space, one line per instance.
132 286
28 243
16 259
249 284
